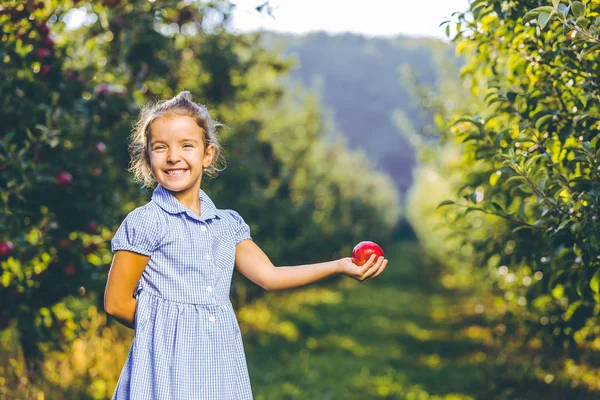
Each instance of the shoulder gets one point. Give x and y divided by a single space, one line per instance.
141 231
149 216
235 224
149 211
231 217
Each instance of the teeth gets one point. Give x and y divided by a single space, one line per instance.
176 172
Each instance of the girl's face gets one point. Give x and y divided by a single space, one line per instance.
176 153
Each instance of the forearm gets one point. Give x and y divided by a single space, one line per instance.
282 278
124 313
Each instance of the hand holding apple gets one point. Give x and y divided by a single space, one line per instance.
364 250
366 263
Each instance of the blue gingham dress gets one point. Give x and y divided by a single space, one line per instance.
187 342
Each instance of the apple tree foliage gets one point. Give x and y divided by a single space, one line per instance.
529 161
69 96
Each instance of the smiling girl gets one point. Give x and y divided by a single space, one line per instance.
173 262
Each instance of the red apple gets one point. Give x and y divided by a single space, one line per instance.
70 269
91 226
43 28
6 248
103 89
47 41
45 69
64 243
64 178
364 250
43 52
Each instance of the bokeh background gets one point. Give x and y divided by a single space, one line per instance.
462 136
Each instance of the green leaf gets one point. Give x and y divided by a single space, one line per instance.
587 51
532 160
445 203
578 9
530 16
542 9
582 22
543 19
563 9
555 3
470 120
563 224
542 120
595 282
541 186
519 178
496 206
471 209
473 136
521 227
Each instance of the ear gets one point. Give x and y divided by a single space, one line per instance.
209 154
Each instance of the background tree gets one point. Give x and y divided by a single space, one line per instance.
528 158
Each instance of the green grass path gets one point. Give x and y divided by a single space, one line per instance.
399 336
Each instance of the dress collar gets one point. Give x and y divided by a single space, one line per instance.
170 204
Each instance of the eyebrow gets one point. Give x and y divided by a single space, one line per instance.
182 140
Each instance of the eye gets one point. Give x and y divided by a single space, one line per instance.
158 148
187 145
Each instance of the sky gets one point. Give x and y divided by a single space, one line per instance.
367 17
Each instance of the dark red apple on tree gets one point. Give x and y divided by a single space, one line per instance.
364 250
43 52
45 69
91 226
43 28
63 178
70 269
47 41
6 248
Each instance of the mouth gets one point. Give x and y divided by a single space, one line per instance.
175 172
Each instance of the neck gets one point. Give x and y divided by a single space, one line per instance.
190 198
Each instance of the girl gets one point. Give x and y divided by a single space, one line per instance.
174 257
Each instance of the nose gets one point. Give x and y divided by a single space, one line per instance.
173 156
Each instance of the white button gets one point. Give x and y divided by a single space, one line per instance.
207 257
211 318
203 228
209 289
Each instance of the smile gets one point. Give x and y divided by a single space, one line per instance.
175 172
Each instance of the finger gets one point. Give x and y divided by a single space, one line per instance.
381 268
373 269
369 262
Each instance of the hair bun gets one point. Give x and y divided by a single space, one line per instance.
185 95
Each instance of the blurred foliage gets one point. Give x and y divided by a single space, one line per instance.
519 166
74 75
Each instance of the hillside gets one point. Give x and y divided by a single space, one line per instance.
359 81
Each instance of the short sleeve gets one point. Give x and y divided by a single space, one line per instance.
240 227
139 232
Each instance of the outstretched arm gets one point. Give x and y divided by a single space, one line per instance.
254 264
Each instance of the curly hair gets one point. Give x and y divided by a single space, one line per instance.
183 105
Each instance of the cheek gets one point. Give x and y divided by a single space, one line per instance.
154 160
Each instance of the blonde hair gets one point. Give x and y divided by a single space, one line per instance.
183 105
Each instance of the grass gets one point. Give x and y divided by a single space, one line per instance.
399 336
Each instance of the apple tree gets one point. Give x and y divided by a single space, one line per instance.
529 159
